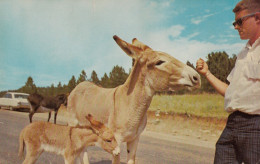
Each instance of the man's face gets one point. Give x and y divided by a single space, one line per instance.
246 28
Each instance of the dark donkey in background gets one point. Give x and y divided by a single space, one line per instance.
40 104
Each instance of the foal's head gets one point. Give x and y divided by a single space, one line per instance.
108 142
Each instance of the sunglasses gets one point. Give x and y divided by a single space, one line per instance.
239 22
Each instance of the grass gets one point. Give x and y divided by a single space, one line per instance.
202 105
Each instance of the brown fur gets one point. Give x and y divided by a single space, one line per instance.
63 140
53 103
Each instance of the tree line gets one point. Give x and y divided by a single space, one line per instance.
220 65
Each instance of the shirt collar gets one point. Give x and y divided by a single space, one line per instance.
256 43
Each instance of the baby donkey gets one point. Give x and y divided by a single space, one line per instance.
64 140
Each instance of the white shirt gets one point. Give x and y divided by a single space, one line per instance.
243 92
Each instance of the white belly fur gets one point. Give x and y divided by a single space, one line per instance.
52 149
42 109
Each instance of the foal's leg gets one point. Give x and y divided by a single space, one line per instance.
32 154
69 158
82 158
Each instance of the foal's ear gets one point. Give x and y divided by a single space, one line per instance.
94 123
131 50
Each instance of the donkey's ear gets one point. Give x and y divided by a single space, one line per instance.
141 45
129 49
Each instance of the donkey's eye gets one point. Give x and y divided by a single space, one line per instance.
160 62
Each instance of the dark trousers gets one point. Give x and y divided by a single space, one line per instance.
240 140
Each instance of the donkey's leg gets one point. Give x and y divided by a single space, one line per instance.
49 116
131 150
116 157
30 116
85 158
55 116
132 145
31 112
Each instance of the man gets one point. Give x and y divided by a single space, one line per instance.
240 140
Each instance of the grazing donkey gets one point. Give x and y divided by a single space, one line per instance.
124 108
64 140
40 104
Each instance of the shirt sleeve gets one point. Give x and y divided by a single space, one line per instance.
230 76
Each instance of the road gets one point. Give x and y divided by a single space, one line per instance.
152 148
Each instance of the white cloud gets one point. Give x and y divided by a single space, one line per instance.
77 35
193 35
198 20
186 49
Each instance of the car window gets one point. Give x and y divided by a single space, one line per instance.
8 95
18 96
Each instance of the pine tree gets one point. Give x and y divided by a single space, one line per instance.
105 81
59 88
118 76
71 84
82 77
52 90
29 86
94 78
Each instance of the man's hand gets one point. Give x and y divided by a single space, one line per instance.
202 67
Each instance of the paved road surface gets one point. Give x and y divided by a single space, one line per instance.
151 149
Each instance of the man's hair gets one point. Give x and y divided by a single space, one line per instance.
250 5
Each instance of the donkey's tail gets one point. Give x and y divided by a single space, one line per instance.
21 145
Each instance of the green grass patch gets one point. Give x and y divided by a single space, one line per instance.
202 105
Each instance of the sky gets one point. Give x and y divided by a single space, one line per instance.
52 40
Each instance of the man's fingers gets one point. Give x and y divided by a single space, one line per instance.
199 67
200 63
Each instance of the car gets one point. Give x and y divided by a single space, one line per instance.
15 101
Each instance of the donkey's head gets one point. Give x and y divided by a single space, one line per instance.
62 99
162 72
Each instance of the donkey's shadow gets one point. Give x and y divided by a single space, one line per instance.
106 162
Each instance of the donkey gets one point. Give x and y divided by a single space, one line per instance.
124 108
40 104
64 140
